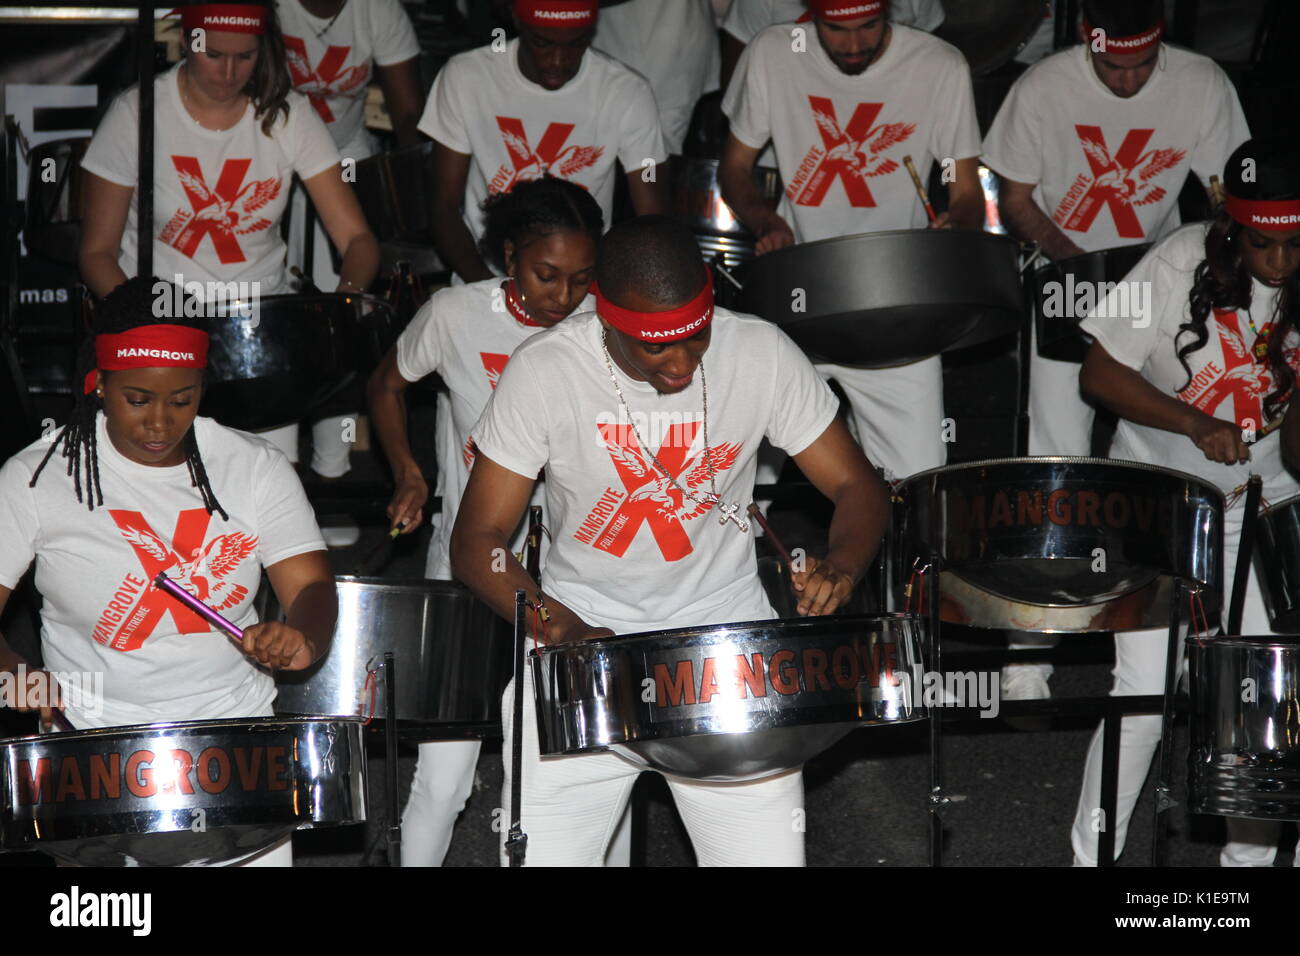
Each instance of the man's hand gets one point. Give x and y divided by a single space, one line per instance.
820 587
278 646
406 510
1219 440
775 234
565 627
39 691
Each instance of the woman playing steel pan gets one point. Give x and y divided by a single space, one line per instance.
229 136
1200 380
135 484
543 235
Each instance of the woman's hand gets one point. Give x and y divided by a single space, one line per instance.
1219 440
406 510
278 646
820 587
37 690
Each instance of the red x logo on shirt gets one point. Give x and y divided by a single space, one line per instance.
222 213
1120 182
549 158
852 154
327 78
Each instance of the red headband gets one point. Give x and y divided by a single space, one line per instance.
1276 215
657 327
1138 43
224 18
149 346
556 14
843 9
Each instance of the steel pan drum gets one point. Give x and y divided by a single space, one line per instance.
888 298
294 352
203 791
53 208
396 193
1059 544
1277 564
730 702
1057 286
1244 756
990 32
451 653
697 201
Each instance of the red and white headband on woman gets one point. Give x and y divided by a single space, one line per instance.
557 14
1137 43
1270 215
659 327
149 346
844 9
224 17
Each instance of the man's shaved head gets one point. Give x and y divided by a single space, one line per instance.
651 257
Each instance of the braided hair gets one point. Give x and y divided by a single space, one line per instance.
1222 281
127 307
537 208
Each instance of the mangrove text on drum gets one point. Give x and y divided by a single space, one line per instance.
1118 510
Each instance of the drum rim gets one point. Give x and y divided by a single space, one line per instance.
181 726
943 235
1059 264
1284 503
1066 460
1261 642
264 300
382 582
607 643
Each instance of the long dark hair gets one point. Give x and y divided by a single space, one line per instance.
537 208
270 84
127 307
1222 281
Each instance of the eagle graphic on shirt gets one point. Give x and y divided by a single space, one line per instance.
203 573
327 79
224 212
1120 181
854 152
550 157
1243 378
652 494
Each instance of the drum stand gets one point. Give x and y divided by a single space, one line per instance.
1112 711
516 839
394 833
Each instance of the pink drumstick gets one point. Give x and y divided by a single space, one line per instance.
164 583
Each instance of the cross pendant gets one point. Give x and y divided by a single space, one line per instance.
729 513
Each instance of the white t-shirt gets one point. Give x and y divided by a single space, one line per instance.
331 62
1227 381
746 19
465 335
218 195
516 131
629 551
95 569
673 45
1108 170
840 140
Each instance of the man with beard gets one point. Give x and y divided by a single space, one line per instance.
841 109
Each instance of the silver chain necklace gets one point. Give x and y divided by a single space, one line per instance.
726 512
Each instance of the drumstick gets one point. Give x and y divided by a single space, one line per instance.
757 515
920 188
164 583
1216 192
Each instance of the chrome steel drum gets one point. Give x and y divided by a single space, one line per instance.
1244 756
1277 564
1059 544
274 365
396 193
451 653
53 208
202 791
888 298
731 702
1059 289
697 201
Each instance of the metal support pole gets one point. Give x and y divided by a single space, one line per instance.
390 757
1164 786
516 839
1245 551
937 800
1109 787
144 178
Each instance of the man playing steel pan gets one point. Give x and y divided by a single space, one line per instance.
650 464
843 101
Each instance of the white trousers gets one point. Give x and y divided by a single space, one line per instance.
444 780
1139 670
897 413
329 450
572 807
